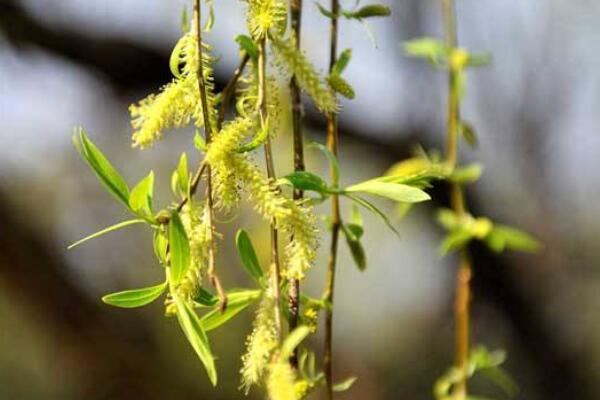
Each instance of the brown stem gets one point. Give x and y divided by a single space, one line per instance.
297 110
332 145
212 276
457 200
228 91
275 270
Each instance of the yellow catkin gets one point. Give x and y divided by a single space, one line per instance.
260 345
296 63
263 15
281 381
178 102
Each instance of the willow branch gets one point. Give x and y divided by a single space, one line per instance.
298 146
212 276
228 90
464 273
275 270
332 145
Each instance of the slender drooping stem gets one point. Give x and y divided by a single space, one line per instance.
228 91
297 109
212 275
275 270
464 273
332 145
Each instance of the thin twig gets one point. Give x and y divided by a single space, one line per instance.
297 110
212 276
228 91
464 273
275 270
332 145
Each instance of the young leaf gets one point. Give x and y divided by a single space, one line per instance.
368 11
344 385
325 11
248 45
448 219
293 340
205 298
160 244
455 240
341 86
179 249
236 302
140 199
468 132
393 191
305 180
248 255
431 49
355 223
104 170
107 230
503 236
135 297
356 248
199 142
182 176
332 160
342 62
257 140
192 328
466 175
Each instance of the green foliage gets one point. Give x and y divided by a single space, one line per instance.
248 256
179 249
135 297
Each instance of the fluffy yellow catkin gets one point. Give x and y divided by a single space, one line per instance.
281 381
263 15
178 102
292 60
293 218
195 221
260 344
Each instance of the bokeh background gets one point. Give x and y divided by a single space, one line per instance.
535 108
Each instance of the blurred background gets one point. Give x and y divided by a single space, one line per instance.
70 62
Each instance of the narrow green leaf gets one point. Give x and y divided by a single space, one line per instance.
393 191
205 298
160 244
248 255
333 162
468 133
341 86
199 142
183 175
369 206
179 249
344 385
356 249
304 180
368 11
257 141
104 170
325 11
236 303
192 328
429 48
448 219
107 230
503 236
247 44
293 340
140 199
355 223
342 62
135 297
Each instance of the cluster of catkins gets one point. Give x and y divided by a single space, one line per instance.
235 175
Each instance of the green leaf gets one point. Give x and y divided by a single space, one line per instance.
356 248
140 199
333 162
431 49
247 44
248 255
205 298
448 219
180 179
341 86
192 328
373 209
304 180
342 62
344 385
236 303
393 191
179 249
199 142
293 340
325 11
160 244
135 297
468 133
257 140
104 170
466 175
355 223
479 59
455 240
107 230
503 236
368 11
175 58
